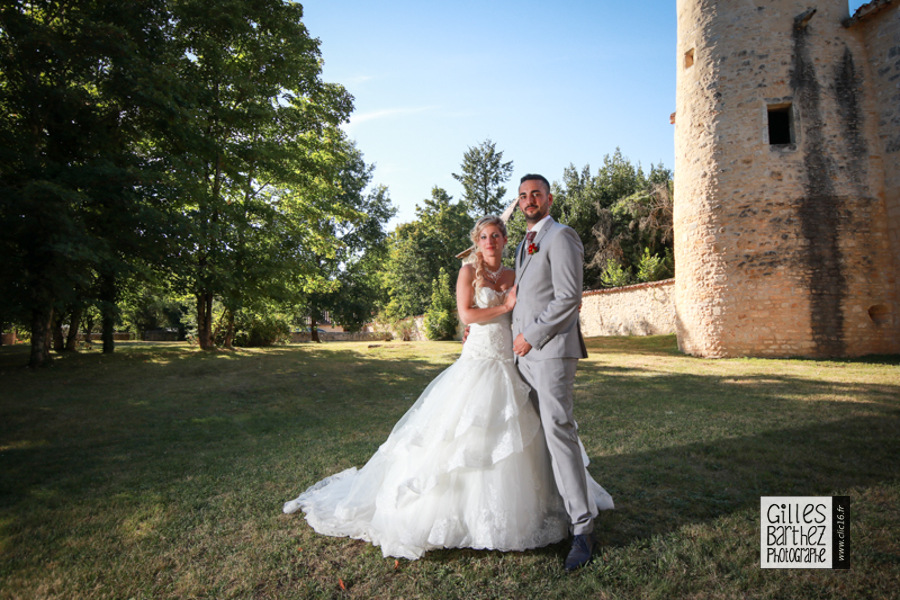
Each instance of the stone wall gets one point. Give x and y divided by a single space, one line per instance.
878 24
411 329
340 336
159 335
781 249
643 309
96 337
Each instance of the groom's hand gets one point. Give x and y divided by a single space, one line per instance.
520 346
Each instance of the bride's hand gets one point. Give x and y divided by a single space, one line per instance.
510 299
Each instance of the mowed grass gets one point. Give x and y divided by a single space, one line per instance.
160 471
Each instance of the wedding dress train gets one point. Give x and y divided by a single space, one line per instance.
466 466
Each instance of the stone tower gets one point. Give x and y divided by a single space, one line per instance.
787 178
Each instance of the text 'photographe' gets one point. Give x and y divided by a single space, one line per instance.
805 532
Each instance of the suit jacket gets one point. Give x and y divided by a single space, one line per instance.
549 294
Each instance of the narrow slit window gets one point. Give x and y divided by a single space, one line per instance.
781 125
689 59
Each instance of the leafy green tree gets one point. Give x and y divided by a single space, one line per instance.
405 273
516 228
268 328
576 200
614 274
652 267
350 266
483 175
645 228
78 83
263 129
441 320
361 293
617 213
152 306
418 251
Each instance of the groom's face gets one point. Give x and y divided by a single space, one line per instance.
534 200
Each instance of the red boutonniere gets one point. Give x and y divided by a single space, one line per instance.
532 248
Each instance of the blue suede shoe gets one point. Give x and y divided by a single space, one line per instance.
580 554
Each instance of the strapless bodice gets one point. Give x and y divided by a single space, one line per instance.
492 339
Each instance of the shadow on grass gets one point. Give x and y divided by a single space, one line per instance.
661 491
697 447
645 345
704 446
15 358
159 415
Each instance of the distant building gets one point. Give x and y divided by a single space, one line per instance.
787 178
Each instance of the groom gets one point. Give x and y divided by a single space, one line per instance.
548 344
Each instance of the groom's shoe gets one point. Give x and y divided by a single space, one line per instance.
580 554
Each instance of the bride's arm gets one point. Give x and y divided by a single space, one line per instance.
465 300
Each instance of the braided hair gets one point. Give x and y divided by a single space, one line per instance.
483 222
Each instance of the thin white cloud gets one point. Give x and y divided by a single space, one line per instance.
357 80
387 113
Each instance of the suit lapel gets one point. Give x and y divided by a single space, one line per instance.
520 249
522 254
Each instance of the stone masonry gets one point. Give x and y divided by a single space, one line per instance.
787 214
642 309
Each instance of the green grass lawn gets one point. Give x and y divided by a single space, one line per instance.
160 471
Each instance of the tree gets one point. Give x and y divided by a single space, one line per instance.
183 137
419 249
645 229
263 131
483 175
516 228
617 213
651 267
75 95
441 319
614 275
405 273
152 306
352 263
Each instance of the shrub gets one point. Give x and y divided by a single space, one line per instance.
614 275
256 330
440 318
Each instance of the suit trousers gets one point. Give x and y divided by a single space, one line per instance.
552 382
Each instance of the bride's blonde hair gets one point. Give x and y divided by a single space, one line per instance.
480 224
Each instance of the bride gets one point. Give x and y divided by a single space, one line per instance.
467 466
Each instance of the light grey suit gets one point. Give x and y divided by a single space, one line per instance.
547 301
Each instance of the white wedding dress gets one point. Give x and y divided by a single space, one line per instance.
466 467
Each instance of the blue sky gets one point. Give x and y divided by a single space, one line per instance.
550 83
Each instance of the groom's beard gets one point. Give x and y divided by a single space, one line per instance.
534 217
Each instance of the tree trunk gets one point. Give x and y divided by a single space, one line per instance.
109 329
313 328
229 330
108 312
204 321
56 330
72 336
40 334
88 327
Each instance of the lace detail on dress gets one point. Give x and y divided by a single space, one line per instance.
486 297
491 340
